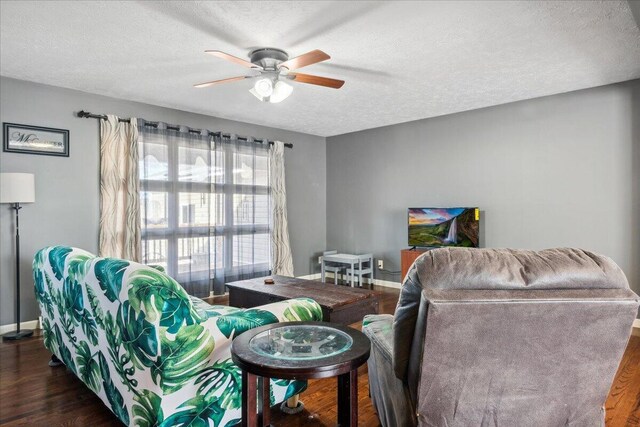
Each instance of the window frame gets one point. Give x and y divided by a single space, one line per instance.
173 232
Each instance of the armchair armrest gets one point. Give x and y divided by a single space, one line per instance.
379 329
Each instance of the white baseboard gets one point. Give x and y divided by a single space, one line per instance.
636 323
376 282
29 324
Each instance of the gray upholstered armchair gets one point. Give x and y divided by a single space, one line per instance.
497 337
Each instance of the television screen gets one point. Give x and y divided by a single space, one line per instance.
436 227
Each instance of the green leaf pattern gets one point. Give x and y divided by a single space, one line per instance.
138 336
147 410
305 308
57 258
42 295
182 356
154 355
79 267
88 368
49 336
196 412
109 273
224 376
240 321
114 397
161 298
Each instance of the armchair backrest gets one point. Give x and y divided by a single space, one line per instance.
509 335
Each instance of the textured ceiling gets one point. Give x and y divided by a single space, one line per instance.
402 61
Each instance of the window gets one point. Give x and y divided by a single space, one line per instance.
188 213
205 208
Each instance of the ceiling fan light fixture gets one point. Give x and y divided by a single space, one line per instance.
264 87
281 91
253 92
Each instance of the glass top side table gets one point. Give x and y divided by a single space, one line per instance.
297 342
299 351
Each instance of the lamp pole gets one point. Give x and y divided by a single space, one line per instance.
17 188
18 334
17 207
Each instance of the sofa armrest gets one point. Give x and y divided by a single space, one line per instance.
292 310
195 369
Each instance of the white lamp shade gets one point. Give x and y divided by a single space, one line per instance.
281 91
17 188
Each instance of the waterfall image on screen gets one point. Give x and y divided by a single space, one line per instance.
434 227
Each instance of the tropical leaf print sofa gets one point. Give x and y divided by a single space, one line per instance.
153 354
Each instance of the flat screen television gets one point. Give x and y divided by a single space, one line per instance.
438 227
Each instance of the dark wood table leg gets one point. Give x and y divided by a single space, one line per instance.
348 399
249 395
264 402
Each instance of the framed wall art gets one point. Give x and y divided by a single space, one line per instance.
35 140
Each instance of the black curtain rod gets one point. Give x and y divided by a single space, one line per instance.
86 115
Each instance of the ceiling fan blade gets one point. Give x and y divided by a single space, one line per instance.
232 58
308 58
215 82
317 80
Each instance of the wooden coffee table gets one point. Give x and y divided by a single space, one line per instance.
299 351
340 304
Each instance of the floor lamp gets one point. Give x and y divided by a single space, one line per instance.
16 188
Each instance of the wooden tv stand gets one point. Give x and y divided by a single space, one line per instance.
407 257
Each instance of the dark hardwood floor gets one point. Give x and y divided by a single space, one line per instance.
33 394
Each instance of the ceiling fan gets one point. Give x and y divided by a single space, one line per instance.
273 67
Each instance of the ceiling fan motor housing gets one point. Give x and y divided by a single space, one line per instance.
268 57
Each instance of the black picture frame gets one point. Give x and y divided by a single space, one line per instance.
28 139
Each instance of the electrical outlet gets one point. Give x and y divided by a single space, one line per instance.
319 260
380 264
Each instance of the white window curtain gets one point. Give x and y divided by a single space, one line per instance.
119 190
205 206
281 250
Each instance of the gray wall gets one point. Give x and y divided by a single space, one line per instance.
562 170
67 189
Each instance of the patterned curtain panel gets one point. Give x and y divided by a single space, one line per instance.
119 189
282 260
204 207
